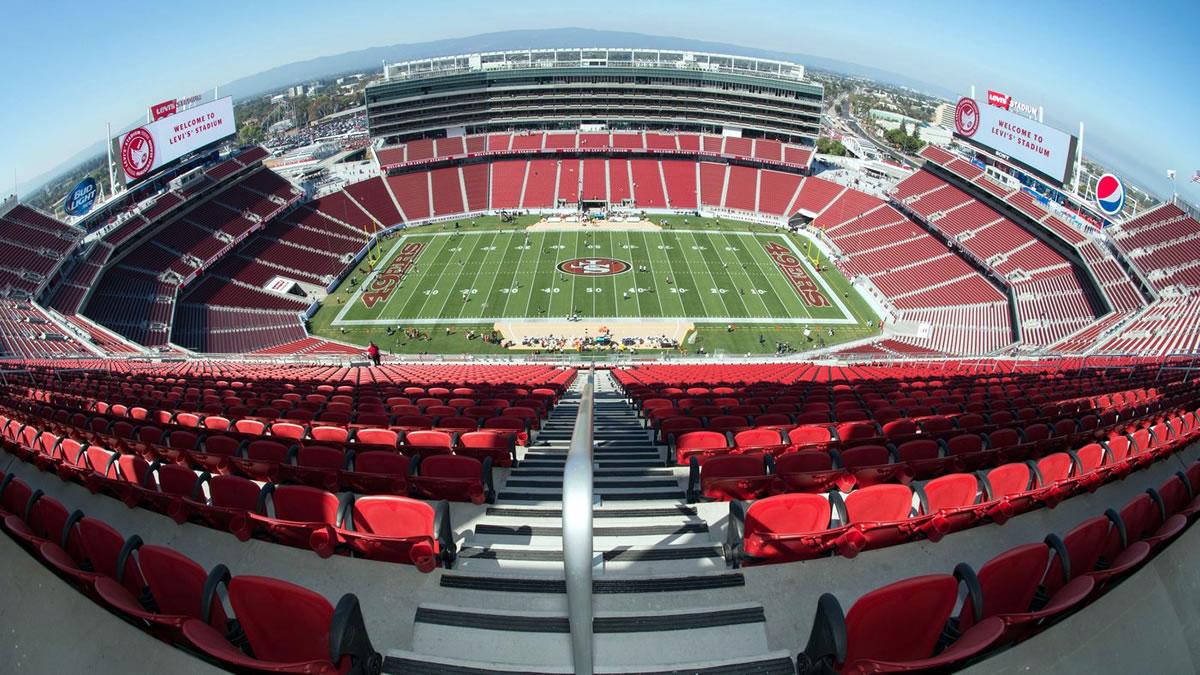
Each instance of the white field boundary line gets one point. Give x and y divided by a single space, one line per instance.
341 320
738 320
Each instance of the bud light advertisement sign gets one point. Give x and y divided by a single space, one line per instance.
80 200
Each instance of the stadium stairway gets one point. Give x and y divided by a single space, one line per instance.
663 599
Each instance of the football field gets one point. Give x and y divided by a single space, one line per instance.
473 277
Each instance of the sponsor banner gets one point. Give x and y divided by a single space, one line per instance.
794 270
82 197
385 283
148 148
175 105
1012 105
164 109
1040 148
594 267
1110 195
279 285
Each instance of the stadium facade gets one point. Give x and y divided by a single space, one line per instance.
616 88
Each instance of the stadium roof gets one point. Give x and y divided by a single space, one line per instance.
595 57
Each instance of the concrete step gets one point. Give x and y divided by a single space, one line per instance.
547 592
675 510
614 535
599 482
622 639
600 471
399 661
533 495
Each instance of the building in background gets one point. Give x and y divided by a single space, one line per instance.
943 115
601 88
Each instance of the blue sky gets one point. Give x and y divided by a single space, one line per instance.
1129 71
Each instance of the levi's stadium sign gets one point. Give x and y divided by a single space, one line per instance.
1044 150
164 109
148 148
1012 105
175 105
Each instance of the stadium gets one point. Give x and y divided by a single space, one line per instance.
588 360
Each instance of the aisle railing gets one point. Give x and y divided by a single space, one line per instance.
577 530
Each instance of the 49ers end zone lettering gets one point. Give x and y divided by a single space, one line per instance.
385 283
790 265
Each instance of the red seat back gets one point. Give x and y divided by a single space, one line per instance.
879 503
902 621
283 622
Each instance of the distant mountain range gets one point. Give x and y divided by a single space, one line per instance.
372 59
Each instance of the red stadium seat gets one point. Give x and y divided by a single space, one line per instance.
376 439
500 446
810 471
428 442
398 529
1008 586
672 428
894 628
875 516
227 497
215 453
1177 497
99 554
777 529
261 460
288 628
700 444
290 514
729 477
872 465
313 465
14 496
39 520
329 436
454 478
1090 552
159 486
924 459
951 502
761 439
377 473
1145 519
176 585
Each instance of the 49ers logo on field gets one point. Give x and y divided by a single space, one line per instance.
594 267
137 153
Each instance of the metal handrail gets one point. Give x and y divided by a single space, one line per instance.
577 530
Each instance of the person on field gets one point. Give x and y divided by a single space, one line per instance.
373 353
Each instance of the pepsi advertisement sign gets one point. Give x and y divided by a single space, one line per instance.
1110 195
81 199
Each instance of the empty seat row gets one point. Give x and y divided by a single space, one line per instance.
782 526
393 528
261 625
938 622
439 475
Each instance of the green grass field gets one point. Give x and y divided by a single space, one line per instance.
467 278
